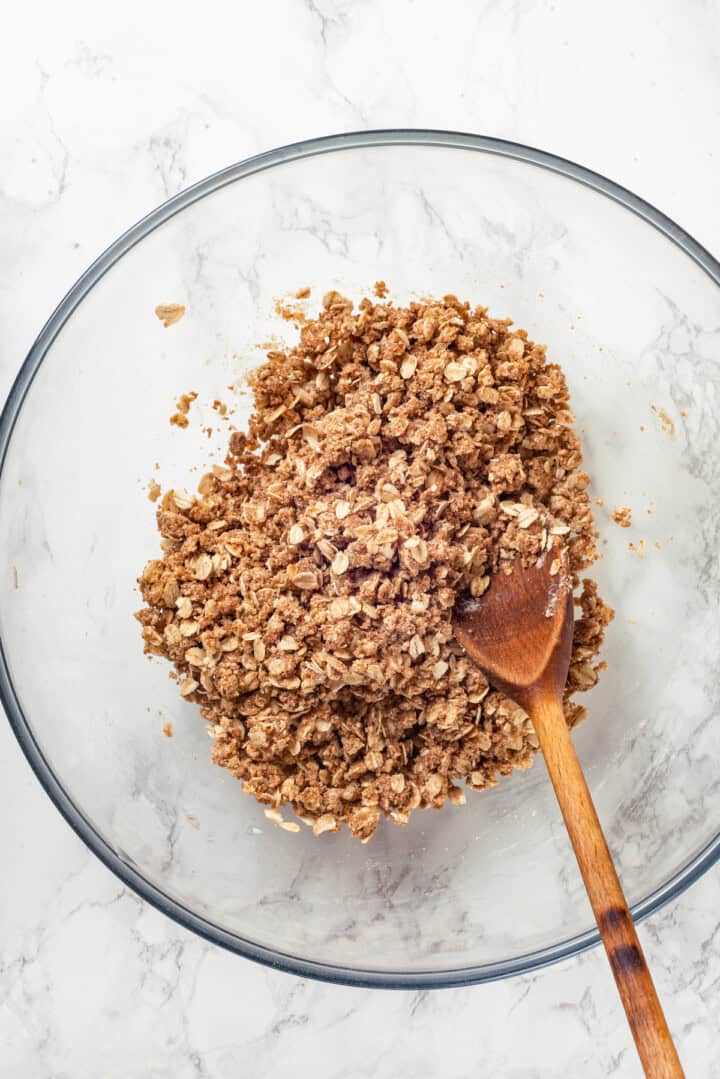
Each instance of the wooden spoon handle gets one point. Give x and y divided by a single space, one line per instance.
637 992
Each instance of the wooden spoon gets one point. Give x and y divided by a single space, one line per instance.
520 634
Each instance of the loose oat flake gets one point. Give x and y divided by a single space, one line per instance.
396 457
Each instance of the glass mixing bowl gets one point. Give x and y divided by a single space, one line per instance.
627 303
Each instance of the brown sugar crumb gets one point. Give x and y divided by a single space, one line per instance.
666 423
179 418
220 407
170 313
638 549
302 293
622 515
599 501
184 402
168 730
154 490
380 289
395 458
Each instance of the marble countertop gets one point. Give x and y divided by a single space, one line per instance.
109 110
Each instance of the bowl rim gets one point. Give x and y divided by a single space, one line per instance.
116 860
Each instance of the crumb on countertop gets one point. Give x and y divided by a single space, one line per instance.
170 313
168 730
179 418
666 423
622 515
154 490
185 400
291 312
380 289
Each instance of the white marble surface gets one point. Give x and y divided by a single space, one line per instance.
105 113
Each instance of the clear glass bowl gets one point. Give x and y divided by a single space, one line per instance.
627 303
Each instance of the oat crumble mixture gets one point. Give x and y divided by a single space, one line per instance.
396 456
